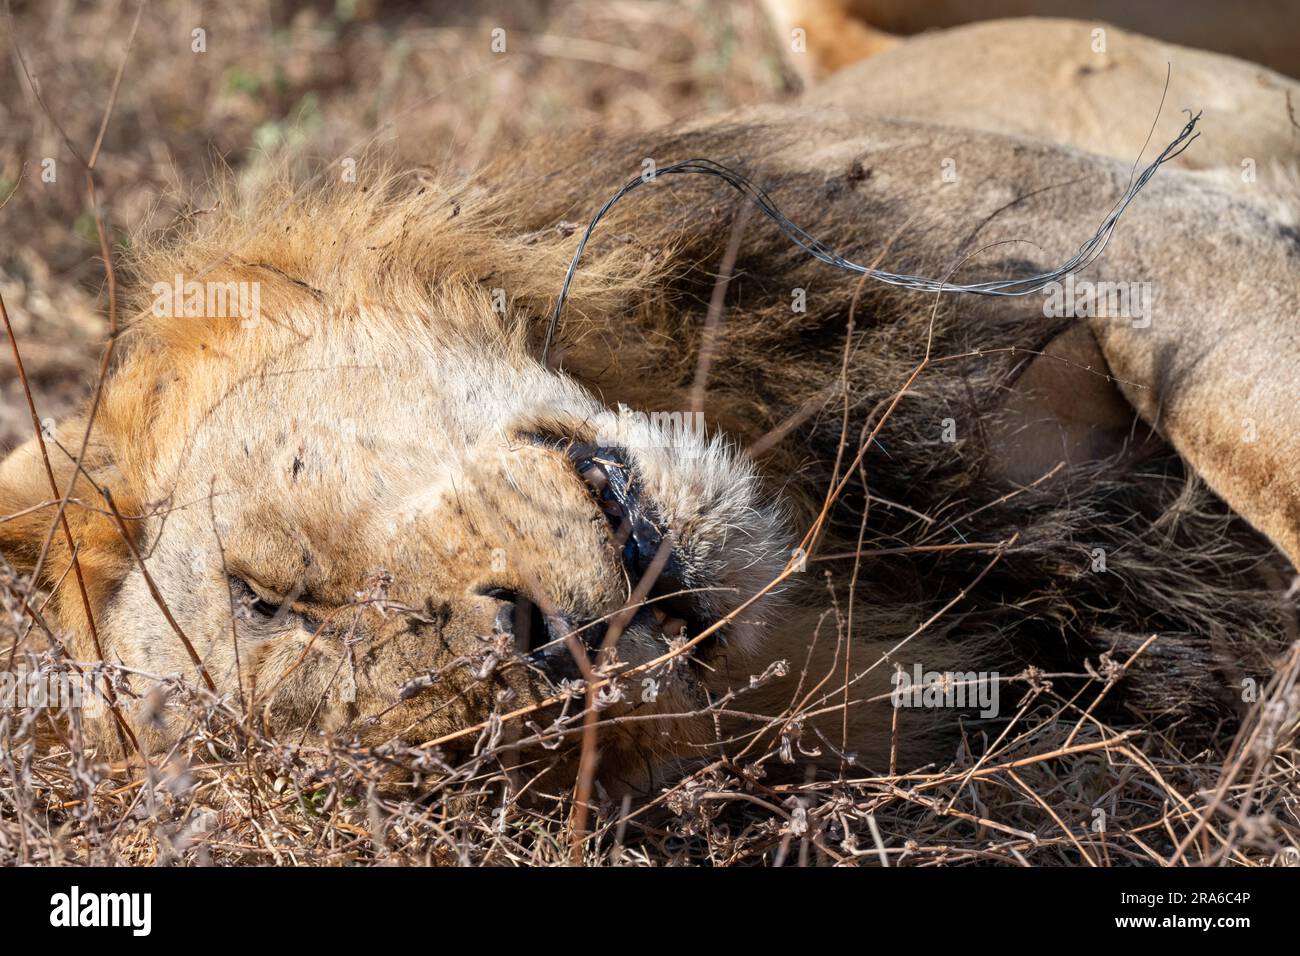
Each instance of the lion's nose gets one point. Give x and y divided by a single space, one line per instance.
636 530
542 637
554 639
635 526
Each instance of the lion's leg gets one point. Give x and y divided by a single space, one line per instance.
1195 305
1063 407
1220 380
1195 308
1226 406
1195 300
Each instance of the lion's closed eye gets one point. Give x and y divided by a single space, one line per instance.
256 604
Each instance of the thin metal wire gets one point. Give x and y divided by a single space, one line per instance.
1087 253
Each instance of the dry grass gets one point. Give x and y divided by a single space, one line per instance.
229 795
305 84
301 86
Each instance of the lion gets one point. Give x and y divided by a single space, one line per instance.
332 482
835 33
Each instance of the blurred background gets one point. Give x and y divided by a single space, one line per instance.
254 86
305 83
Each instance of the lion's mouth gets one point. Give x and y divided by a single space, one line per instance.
665 608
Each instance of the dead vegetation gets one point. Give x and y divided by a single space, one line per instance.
1066 780
1055 785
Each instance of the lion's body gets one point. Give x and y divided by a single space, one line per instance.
836 33
370 423
1058 81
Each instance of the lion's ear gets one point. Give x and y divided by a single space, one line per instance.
28 508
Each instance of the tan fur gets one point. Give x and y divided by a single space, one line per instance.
1057 80
362 449
841 32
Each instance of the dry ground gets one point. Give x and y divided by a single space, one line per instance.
305 84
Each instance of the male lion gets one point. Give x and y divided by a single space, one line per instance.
363 504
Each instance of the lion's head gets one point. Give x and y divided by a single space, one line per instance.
367 504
